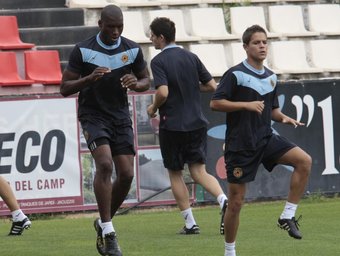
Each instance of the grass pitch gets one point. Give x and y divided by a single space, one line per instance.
153 233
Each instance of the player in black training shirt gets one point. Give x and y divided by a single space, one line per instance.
247 92
180 77
102 69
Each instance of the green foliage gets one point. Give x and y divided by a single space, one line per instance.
317 196
88 175
320 196
226 6
88 171
153 232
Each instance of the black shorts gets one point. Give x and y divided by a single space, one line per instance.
242 166
178 147
99 132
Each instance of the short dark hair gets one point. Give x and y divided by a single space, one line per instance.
110 11
164 26
247 34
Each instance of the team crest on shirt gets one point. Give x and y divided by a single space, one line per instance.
237 172
125 58
272 82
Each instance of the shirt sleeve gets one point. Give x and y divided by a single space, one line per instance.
203 73
226 87
75 63
158 72
139 64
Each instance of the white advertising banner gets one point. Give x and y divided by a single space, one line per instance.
39 152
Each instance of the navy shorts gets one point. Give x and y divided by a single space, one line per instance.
178 147
242 166
99 132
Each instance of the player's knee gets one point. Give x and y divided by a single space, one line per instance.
126 177
235 206
199 176
105 167
305 164
308 161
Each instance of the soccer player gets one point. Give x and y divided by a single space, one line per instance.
179 78
20 220
247 92
102 69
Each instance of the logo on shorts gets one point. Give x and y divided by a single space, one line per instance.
125 58
238 172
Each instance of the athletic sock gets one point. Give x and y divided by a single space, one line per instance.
107 228
18 215
229 249
220 199
188 218
289 211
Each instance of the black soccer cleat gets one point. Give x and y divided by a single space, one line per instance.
194 230
111 245
19 226
290 225
99 241
224 208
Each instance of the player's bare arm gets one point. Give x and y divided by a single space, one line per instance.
72 83
161 95
231 106
139 82
278 116
209 86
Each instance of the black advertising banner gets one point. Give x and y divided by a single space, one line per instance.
315 103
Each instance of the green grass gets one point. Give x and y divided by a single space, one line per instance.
153 233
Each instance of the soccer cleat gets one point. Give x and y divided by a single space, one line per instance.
99 241
111 245
19 226
224 208
194 230
290 225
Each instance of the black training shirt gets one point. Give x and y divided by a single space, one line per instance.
245 129
182 71
106 96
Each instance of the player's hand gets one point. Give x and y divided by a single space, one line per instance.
256 106
98 73
129 81
151 111
288 120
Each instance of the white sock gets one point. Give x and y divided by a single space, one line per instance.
107 227
289 211
229 249
18 215
188 218
220 199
